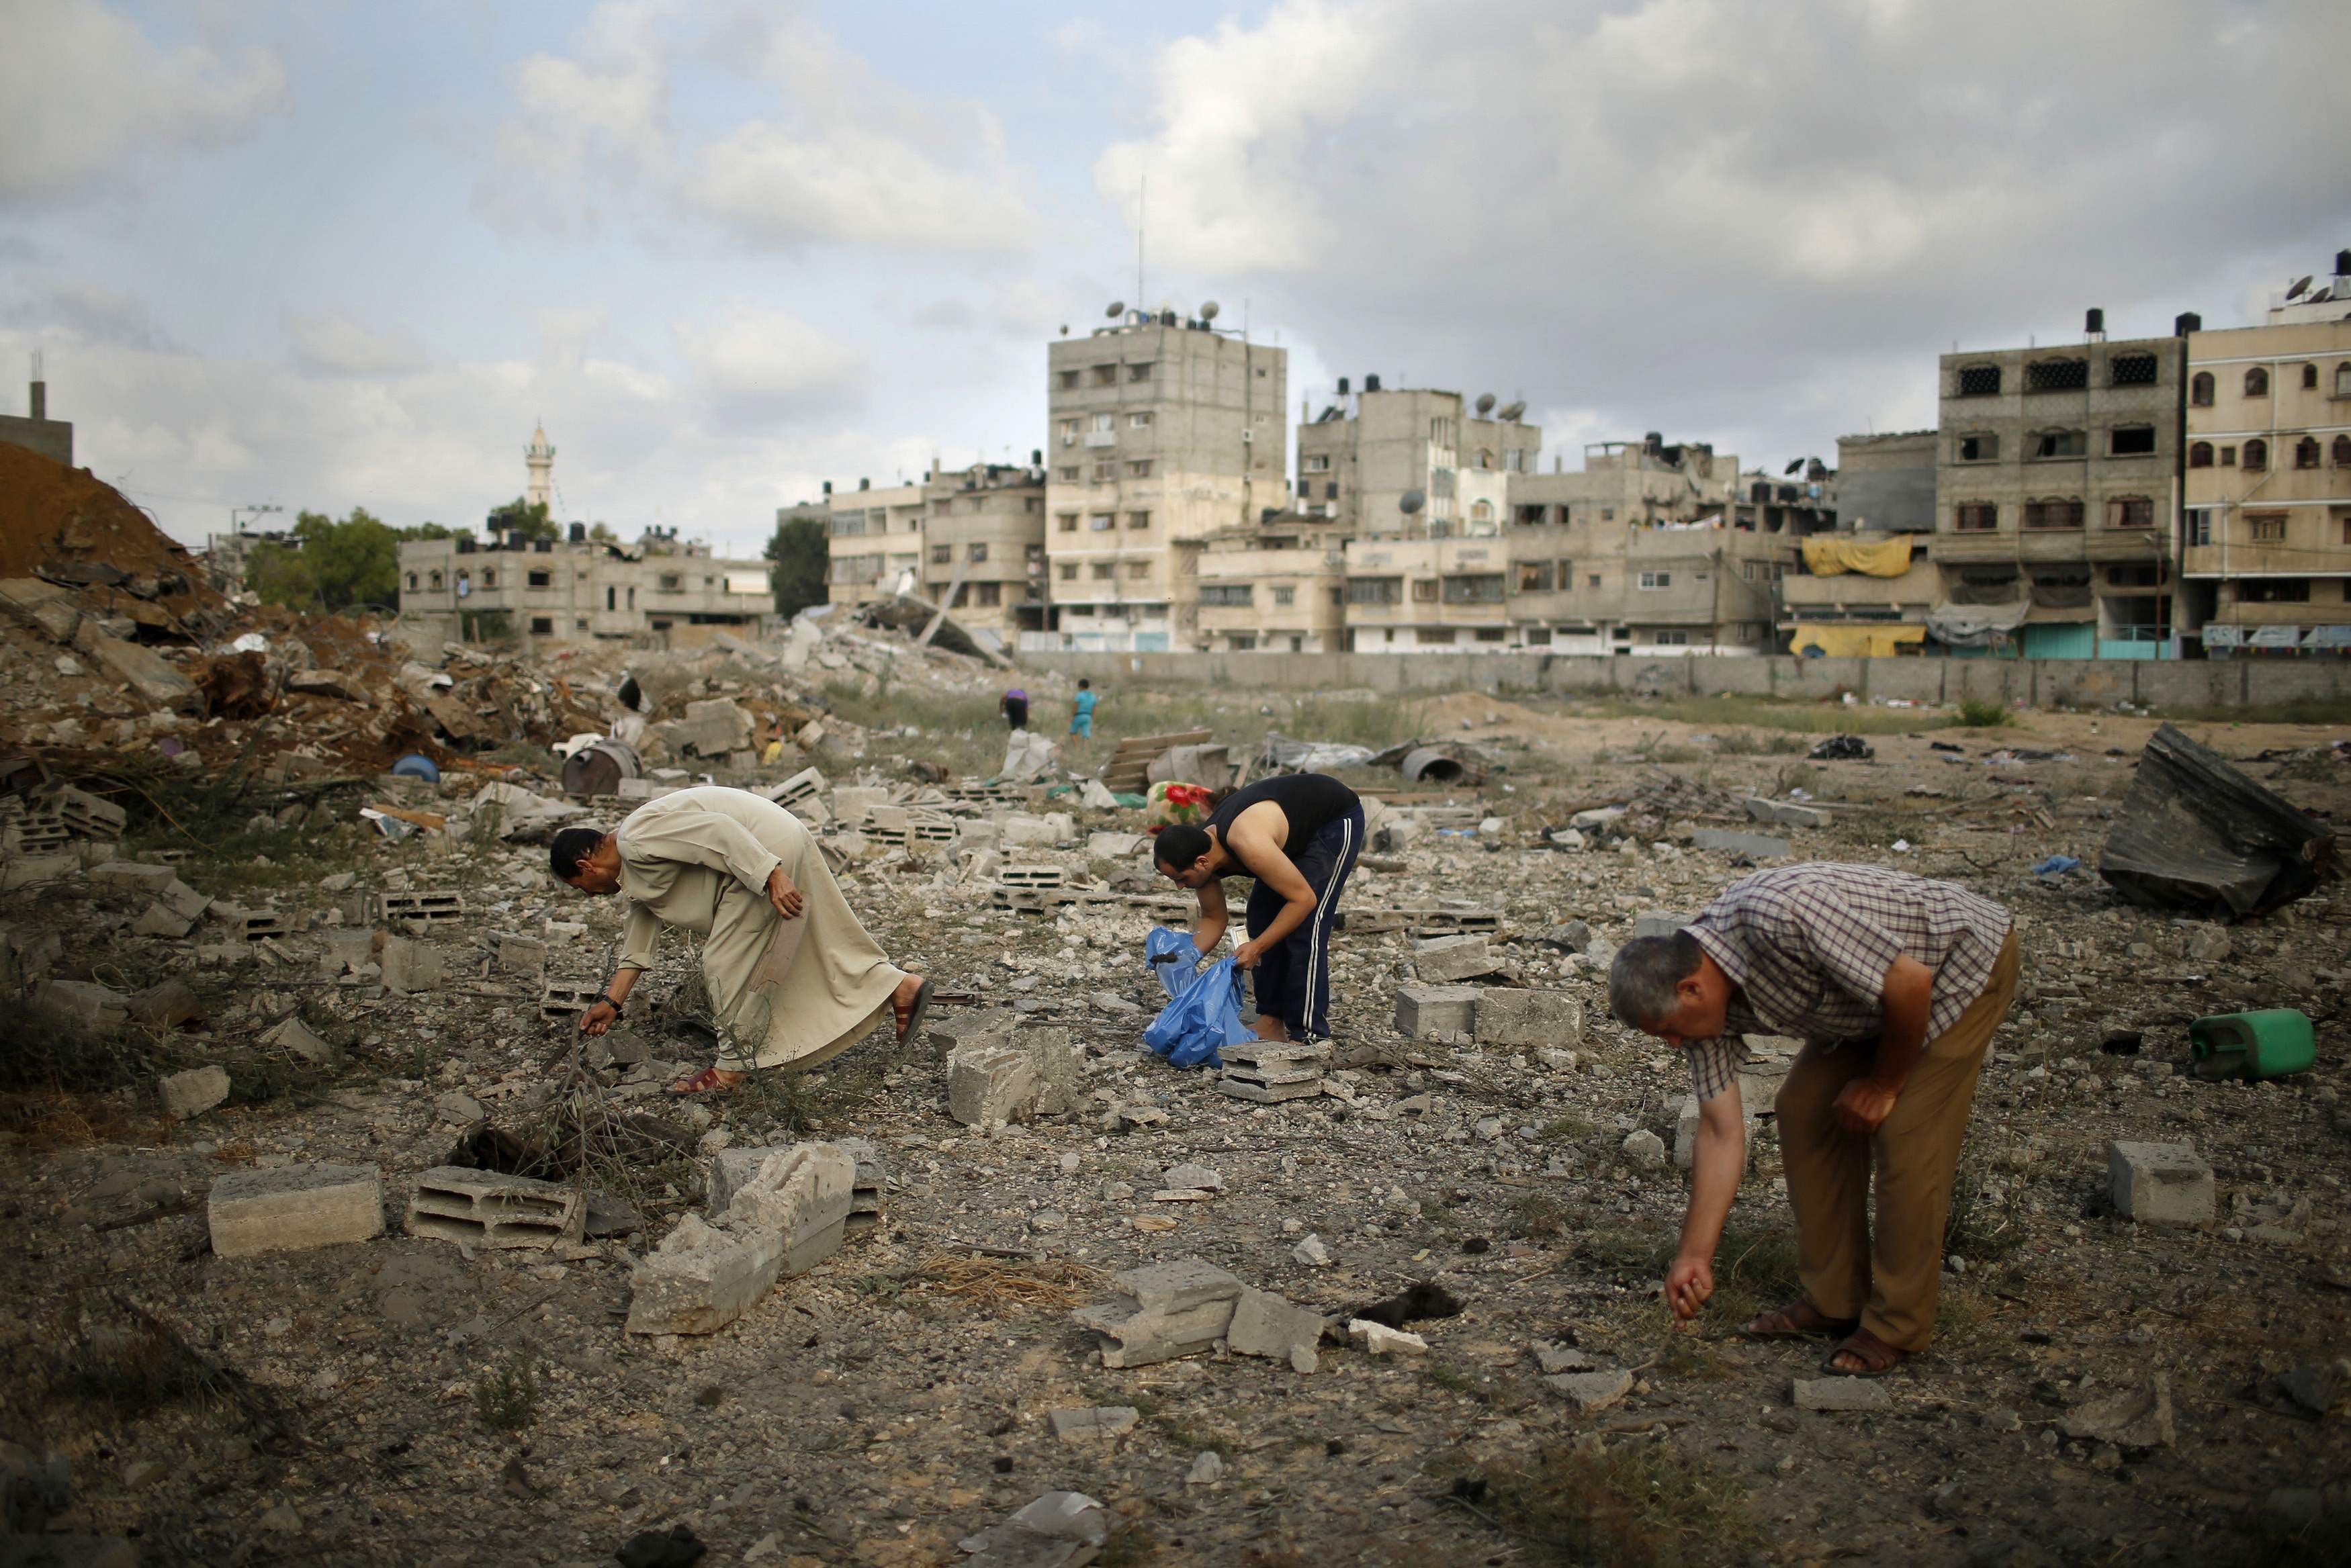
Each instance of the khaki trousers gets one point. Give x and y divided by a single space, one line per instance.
1889 1279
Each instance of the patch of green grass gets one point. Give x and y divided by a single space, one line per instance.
1977 1226
506 1397
1536 1216
1716 713
1569 1128
1131 1541
1641 1505
1772 744
1983 713
2327 710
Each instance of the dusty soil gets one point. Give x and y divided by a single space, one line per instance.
869 1413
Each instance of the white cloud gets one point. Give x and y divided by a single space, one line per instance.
756 364
848 159
1680 209
334 345
85 99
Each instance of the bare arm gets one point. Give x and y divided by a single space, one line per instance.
607 1012
1718 1163
1908 996
1214 918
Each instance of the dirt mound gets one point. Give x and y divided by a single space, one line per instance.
78 528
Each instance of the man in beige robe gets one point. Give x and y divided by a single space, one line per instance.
794 979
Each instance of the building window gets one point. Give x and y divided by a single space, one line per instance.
2061 443
670 582
1069 521
1481 512
2343 379
2065 514
1069 433
1591 581
490 576
991 595
1101 522
1484 457
2341 451
1069 379
977 550
542 626
2199 455
2228 457
1226 594
581 623
2199 389
1979 380
2274 590
1285 596
2310 378
1138 570
941 554
2056 375
1979 448
1437 637
411 581
2130 512
1657 579
1975 517
1514 459
2307 452
1240 642
1534 576
1105 473
1101 571
1424 590
1139 469
1138 519
1482 588
1139 372
1103 423
1033 505
2265 527
2257 456
609 597
541 579
436 582
1375 590
1105 375
1141 422
1670 638
633 599
1068 475
1317 462
2199 524
1069 570
2131 370
2257 383
1492 634
2131 440
1608 515
1538 637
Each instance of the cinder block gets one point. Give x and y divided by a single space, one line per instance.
1507 1017
990 1083
851 802
568 998
294 1208
991 1027
33 870
410 966
1760 846
193 1092
2160 1183
1271 1326
1426 1012
1442 960
137 874
521 955
432 907
482 1209
1784 813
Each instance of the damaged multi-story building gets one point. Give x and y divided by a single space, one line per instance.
1865 583
2265 557
2055 485
1163 431
663 592
984 548
873 540
1275 586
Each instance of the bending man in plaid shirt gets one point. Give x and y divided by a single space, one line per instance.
1895 984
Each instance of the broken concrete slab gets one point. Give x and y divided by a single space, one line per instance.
2132 1418
991 1084
1784 813
989 1026
45 607
294 1208
411 966
484 1209
1442 960
1839 1393
193 1092
166 1004
1271 1326
789 1215
1589 1391
295 1036
1434 1012
1060 1529
1510 1017
1758 845
82 1004
1094 1421
1164 1311
1379 1339
1658 923
2160 1183
155 678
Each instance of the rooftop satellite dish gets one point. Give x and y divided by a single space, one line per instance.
1209 311
1485 404
2300 286
1413 501
1117 309
1511 412
1793 466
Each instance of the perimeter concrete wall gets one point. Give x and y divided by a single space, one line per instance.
2033 682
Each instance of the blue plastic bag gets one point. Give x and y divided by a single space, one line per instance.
1204 1017
1172 958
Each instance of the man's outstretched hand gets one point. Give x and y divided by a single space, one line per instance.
599 1018
783 895
1688 1283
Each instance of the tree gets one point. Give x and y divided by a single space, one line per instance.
332 566
798 551
532 519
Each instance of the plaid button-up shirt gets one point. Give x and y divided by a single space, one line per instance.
1808 947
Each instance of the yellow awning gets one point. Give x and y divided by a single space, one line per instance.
1828 554
1874 640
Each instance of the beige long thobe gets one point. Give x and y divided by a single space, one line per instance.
786 992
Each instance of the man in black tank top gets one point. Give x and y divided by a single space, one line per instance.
1298 835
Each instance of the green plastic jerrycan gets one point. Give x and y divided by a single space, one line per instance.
2265 1045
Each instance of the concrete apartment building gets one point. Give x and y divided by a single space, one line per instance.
1886 482
984 548
1638 553
662 594
34 431
1163 431
1276 586
2055 483
1868 597
873 540
2265 562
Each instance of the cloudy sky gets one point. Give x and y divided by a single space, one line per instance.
337 253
